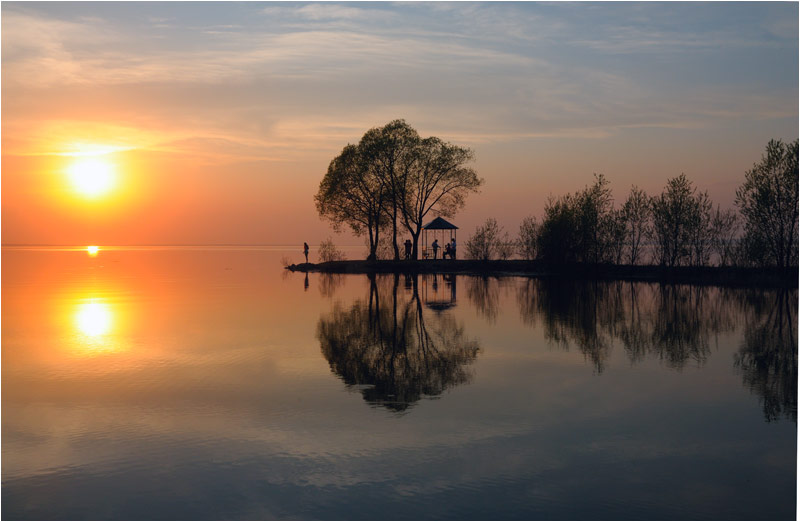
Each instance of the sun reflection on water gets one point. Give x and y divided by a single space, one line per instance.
94 321
94 318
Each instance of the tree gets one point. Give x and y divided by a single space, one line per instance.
616 234
594 209
350 194
390 153
676 217
395 178
768 201
488 242
557 239
437 181
528 235
701 230
636 214
724 231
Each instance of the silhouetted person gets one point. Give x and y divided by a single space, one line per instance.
446 251
435 247
305 250
408 248
452 248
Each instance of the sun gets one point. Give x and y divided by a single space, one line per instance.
92 177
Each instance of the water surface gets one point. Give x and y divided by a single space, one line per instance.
192 383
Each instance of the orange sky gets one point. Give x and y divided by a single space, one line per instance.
219 120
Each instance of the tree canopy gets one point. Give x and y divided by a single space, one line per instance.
394 178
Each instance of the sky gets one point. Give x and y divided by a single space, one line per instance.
213 123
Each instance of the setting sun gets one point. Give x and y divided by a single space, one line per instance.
92 177
93 250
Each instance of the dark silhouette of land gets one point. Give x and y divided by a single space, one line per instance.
703 275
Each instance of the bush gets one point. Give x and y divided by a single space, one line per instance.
488 242
329 252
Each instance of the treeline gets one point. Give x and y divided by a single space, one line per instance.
679 227
391 181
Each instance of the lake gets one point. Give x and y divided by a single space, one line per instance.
209 383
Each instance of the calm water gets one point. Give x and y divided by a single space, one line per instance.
211 384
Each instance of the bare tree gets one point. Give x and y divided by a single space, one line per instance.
676 215
487 242
701 232
528 234
768 201
724 232
636 212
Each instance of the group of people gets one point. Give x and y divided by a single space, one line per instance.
449 249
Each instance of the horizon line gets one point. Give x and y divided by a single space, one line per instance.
156 244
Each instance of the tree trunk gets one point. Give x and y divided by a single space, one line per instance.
373 244
415 244
394 235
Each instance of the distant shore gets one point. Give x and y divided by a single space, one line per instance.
723 276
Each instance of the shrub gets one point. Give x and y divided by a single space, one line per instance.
488 242
329 252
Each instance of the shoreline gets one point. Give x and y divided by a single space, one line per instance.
708 275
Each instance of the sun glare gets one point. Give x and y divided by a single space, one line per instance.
92 177
93 250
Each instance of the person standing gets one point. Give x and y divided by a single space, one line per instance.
435 247
408 248
452 248
305 250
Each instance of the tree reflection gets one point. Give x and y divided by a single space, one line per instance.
392 350
484 294
672 322
767 358
571 315
330 283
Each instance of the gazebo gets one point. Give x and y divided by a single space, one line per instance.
437 227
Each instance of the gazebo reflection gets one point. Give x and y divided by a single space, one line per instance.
439 291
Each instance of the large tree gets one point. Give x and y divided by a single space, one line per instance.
768 202
390 153
438 181
394 178
350 194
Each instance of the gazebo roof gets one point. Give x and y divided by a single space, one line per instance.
440 224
